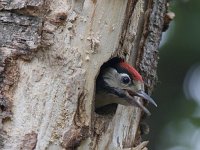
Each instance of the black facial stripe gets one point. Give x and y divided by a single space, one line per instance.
116 91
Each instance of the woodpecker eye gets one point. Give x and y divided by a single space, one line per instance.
125 79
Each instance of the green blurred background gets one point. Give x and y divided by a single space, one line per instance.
175 124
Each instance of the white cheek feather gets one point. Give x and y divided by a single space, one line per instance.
139 85
111 76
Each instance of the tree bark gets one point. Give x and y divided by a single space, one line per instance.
50 55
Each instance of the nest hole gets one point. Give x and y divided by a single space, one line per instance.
110 109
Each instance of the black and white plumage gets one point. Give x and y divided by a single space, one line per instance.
118 82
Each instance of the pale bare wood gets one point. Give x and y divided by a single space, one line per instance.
51 52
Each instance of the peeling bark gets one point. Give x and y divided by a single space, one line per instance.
50 56
29 141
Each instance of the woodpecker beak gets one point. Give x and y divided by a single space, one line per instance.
143 95
130 99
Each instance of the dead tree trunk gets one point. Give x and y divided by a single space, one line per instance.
51 52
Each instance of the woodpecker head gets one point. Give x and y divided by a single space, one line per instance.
118 82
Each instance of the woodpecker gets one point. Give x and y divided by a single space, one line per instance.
118 82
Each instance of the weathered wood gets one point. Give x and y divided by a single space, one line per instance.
147 59
50 55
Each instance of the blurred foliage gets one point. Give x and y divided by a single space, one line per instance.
180 51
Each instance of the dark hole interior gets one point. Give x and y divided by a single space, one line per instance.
107 109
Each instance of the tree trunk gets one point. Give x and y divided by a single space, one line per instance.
51 53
